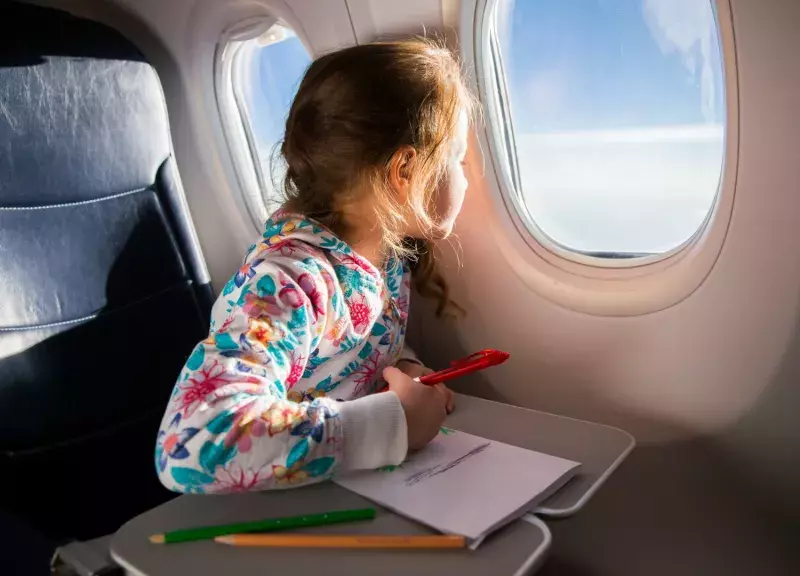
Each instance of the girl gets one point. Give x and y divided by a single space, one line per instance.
281 392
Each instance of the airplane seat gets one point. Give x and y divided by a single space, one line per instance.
103 287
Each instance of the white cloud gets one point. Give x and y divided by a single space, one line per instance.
689 28
641 190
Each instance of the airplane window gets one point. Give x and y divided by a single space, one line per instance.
614 119
267 71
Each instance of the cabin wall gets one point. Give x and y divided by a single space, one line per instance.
710 386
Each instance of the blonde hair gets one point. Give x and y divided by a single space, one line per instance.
354 109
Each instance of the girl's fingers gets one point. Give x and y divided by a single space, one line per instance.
449 398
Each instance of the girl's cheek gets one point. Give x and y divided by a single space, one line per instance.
446 200
458 190
450 199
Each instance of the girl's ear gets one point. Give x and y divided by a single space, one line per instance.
401 166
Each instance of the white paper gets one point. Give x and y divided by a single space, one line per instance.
463 484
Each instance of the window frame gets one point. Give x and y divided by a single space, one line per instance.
229 61
580 281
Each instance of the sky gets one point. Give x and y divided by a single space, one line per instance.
276 72
604 64
618 110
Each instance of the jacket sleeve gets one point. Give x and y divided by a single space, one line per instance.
229 425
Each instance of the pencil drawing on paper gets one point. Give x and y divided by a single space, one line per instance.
441 468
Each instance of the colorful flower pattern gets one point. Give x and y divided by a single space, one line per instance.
305 323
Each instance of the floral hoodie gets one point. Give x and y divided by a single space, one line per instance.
280 393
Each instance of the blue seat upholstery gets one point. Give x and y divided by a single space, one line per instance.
103 287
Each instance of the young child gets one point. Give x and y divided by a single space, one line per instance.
283 391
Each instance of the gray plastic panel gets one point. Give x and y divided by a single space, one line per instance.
516 549
599 449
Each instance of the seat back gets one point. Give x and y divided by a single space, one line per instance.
103 288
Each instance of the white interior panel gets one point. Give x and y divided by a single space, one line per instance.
701 366
376 18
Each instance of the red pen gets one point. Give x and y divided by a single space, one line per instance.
468 365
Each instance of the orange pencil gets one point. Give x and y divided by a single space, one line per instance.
341 541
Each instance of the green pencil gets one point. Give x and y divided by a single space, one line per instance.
269 525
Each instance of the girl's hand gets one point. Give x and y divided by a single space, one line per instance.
414 370
424 406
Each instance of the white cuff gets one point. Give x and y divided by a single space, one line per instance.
374 430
